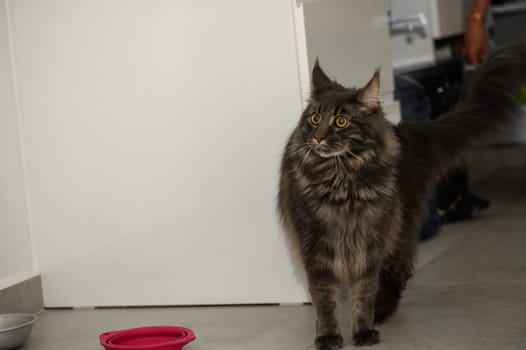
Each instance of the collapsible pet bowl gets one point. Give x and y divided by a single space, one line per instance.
147 338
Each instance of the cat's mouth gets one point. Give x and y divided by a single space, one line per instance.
326 151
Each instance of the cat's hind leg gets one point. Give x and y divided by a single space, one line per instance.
387 298
392 282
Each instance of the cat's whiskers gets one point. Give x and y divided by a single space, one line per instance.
336 161
305 158
330 151
300 149
356 156
297 147
342 166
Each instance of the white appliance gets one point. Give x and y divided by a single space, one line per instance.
415 24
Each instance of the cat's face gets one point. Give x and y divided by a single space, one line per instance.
335 129
342 122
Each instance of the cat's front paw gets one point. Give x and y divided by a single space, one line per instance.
329 342
366 337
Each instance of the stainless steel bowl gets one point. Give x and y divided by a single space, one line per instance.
15 329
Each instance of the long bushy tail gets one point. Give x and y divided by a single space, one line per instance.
489 105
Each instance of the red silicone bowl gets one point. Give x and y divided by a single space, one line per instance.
147 338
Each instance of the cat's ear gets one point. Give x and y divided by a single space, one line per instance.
320 80
370 93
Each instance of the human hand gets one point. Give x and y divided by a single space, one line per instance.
475 42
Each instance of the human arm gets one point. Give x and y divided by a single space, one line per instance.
475 37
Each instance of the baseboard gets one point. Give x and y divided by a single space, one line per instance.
23 297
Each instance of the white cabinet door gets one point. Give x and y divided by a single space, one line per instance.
351 40
154 131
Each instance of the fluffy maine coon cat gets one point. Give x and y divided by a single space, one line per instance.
353 187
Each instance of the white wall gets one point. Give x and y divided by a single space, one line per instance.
153 131
16 256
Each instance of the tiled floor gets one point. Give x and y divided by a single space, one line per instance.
469 293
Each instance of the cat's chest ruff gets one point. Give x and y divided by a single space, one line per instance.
347 218
329 186
339 190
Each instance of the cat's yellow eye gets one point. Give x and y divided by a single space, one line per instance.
315 119
342 121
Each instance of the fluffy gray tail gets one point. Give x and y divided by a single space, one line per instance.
488 105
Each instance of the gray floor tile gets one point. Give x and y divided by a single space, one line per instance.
492 252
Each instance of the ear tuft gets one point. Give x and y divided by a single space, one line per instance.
320 80
370 94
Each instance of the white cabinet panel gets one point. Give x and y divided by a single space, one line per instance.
154 134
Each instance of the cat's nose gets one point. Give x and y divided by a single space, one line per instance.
319 139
